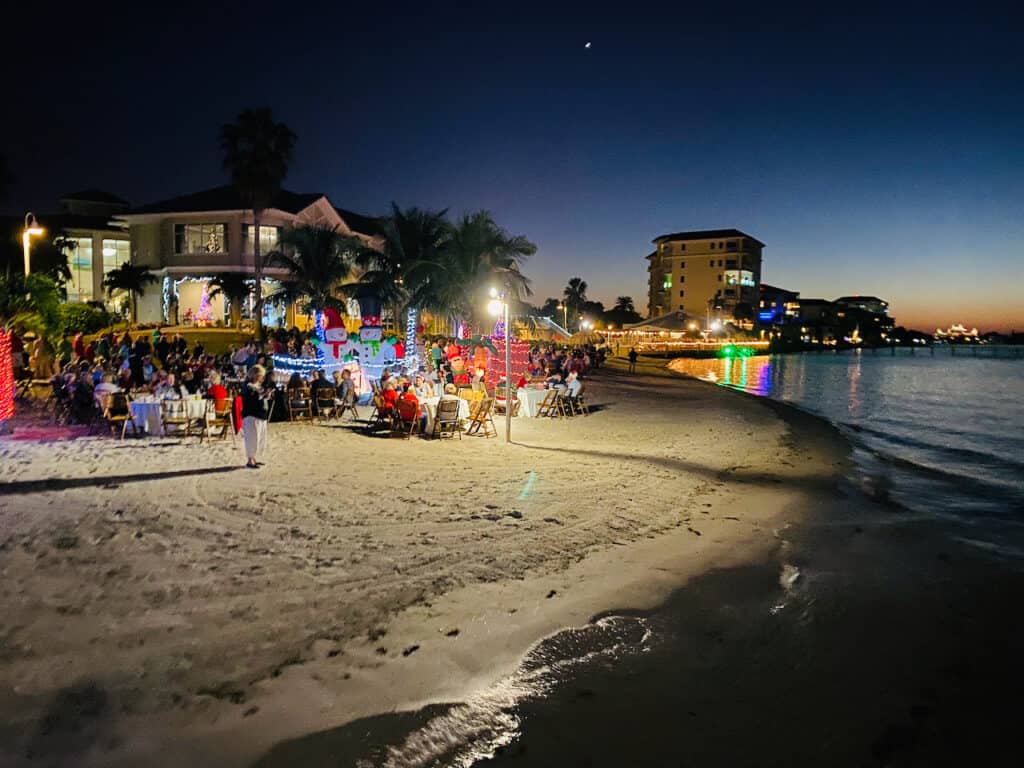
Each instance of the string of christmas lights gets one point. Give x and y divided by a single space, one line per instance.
6 377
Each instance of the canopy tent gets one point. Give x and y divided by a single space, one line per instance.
586 337
672 322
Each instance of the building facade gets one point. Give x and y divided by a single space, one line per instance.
712 273
186 241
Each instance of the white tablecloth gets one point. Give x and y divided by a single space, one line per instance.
429 405
147 414
530 400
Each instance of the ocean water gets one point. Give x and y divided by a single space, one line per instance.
936 435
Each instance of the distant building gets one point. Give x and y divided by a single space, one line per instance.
867 317
96 242
187 240
714 272
777 306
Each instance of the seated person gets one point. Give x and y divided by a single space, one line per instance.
554 379
390 395
422 387
170 389
320 383
409 396
104 388
344 387
216 391
573 385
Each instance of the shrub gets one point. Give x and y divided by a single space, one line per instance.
84 317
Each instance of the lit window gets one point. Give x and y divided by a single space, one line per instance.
200 238
80 263
270 237
115 253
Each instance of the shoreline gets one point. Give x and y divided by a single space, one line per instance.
500 619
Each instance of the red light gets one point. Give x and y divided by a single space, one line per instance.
6 377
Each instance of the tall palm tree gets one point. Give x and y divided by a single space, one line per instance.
575 295
30 303
398 273
318 260
257 153
624 304
478 255
130 278
236 289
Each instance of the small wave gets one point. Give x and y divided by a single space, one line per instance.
957 454
486 721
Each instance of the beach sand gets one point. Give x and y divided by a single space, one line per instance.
164 606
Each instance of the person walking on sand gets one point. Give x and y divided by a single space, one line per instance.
254 416
632 359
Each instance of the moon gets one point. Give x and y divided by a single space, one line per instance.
587 45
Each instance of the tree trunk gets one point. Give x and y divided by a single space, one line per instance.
258 269
235 309
133 311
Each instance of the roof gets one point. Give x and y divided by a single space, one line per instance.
226 198
815 302
765 288
705 234
95 196
673 321
366 225
859 300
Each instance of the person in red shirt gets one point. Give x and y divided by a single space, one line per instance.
390 395
409 396
216 391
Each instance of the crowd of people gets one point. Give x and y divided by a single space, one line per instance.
84 371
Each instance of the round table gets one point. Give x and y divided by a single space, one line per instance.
146 413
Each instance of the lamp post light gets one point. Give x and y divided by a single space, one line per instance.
498 304
32 229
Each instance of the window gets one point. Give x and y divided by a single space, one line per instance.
682 265
680 294
115 253
731 245
712 263
730 263
719 277
682 246
721 245
668 282
712 246
80 262
739 277
682 278
200 238
270 238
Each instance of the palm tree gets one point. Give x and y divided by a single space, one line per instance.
257 153
30 303
624 304
575 295
318 260
399 272
236 289
130 278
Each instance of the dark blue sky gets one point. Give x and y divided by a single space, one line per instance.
873 152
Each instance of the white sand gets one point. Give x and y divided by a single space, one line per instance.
217 613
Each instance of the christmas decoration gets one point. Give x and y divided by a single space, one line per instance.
6 377
204 315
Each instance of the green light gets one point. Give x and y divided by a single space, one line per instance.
728 351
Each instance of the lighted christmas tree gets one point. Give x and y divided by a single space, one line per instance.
205 313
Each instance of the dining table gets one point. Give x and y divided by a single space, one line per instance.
429 405
146 412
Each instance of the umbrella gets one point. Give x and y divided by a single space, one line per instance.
586 337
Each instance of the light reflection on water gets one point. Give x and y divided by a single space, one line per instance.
937 434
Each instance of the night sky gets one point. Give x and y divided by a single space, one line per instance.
873 153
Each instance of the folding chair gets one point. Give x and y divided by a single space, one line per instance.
300 404
221 415
579 403
117 410
347 405
381 416
407 418
480 421
175 419
446 418
551 405
325 404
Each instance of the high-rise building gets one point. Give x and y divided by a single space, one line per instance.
714 272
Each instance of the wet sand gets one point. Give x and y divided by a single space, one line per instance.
164 606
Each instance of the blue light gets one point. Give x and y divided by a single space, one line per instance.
765 315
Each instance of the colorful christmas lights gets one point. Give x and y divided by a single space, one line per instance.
6 377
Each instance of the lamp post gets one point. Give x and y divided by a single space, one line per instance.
32 229
499 304
565 315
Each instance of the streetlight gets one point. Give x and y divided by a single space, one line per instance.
32 229
497 304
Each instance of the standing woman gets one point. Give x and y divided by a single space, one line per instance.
254 416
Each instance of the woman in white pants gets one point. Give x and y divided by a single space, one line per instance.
254 416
